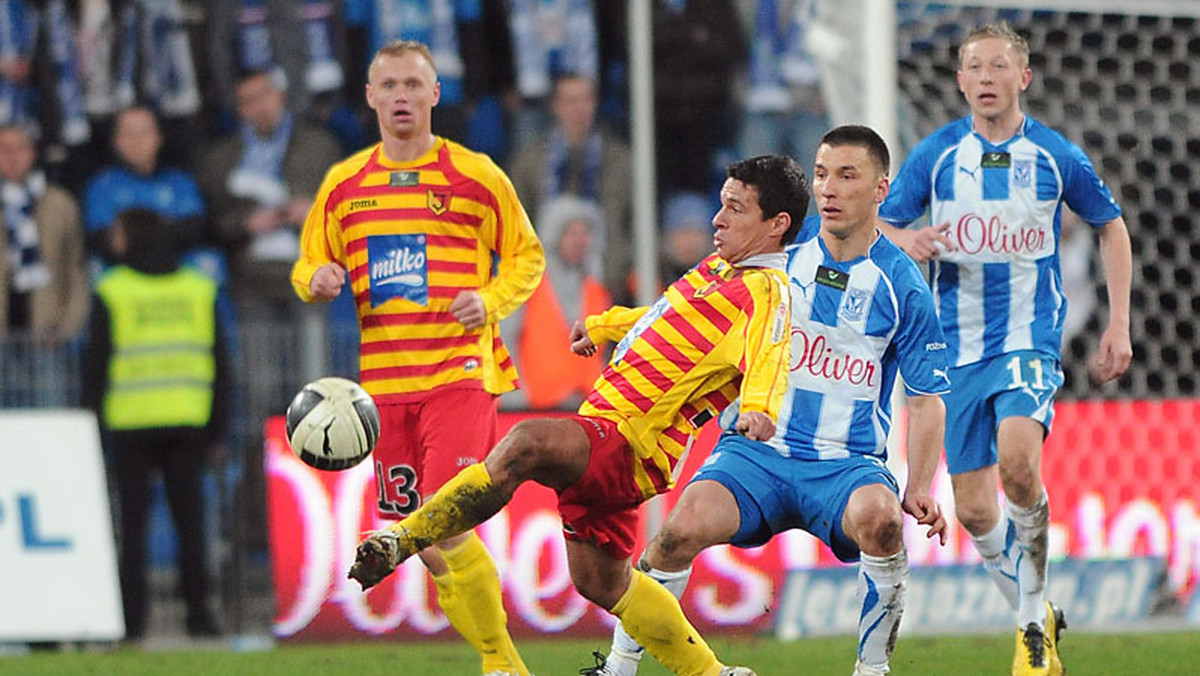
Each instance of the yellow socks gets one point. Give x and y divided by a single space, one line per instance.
476 607
465 501
652 616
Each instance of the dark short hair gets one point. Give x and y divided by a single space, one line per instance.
145 230
781 184
862 137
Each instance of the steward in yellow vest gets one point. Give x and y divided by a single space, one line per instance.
155 374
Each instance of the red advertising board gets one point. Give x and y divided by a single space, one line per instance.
1124 480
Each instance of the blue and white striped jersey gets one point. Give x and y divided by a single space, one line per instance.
854 325
1001 290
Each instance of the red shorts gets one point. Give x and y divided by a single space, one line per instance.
601 508
423 444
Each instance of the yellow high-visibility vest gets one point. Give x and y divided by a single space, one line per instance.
163 332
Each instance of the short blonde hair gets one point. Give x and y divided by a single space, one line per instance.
1002 31
400 48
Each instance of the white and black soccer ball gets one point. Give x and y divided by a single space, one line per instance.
332 424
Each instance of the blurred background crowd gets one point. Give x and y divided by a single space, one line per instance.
222 117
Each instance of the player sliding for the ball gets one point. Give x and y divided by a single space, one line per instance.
718 333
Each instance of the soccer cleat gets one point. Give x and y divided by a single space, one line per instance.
737 671
1031 653
1056 622
377 556
597 669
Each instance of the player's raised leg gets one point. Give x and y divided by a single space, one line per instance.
553 452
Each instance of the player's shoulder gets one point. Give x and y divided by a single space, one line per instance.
896 265
1050 140
764 280
473 163
943 138
352 165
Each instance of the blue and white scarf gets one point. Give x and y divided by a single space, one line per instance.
323 72
551 37
19 25
254 37
140 53
434 23
557 156
168 73
18 36
24 255
779 58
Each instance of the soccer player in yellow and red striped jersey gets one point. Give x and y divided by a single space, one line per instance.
718 333
437 249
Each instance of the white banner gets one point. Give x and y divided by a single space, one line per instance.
58 564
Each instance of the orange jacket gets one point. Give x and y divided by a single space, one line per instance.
549 372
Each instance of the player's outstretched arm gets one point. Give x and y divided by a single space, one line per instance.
581 342
926 420
921 245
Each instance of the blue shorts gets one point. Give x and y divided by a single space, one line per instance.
775 493
986 392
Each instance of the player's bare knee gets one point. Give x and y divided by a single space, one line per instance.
879 530
1021 481
519 452
674 547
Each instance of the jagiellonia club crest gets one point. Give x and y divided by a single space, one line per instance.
438 201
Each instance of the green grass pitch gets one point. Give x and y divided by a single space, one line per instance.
1084 654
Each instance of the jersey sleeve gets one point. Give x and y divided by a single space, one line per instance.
911 188
766 342
321 238
521 259
919 343
1084 191
612 324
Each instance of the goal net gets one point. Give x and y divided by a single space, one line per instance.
1121 80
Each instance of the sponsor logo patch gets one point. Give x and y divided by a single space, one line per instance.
398 268
832 278
404 179
996 161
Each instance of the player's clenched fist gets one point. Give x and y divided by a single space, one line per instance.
327 282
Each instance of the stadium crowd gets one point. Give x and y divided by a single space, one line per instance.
223 117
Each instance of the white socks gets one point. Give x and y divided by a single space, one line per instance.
881 586
1000 551
1033 535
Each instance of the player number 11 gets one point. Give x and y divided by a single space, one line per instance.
1018 380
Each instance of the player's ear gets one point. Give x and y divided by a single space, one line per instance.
881 189
780 224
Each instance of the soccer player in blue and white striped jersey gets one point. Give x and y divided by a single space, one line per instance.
995 183
861 313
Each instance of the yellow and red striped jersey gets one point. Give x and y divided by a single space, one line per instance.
718 333
413 236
